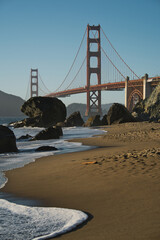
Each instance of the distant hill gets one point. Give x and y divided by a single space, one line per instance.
10 105
82 108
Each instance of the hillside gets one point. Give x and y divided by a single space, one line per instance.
10 105
82 108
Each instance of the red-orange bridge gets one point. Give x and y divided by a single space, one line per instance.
135 88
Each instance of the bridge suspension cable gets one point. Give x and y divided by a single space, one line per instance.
42 91
48 91
94 35
73 62
118 54
114 63
77 73
108 56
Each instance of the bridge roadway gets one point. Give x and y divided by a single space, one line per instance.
104 87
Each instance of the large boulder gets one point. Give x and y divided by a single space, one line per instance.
119 114
48 133
7 140
149 108
74 119
93 121
42 112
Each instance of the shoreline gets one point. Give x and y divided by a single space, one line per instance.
120 191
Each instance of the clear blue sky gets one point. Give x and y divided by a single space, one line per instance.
46 34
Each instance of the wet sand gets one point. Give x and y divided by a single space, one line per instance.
118 184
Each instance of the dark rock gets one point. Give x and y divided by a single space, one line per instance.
59 130
7 140
139 111
93 121
45 149
27 122
74 119
27 136
154 111
149 109
119 114
42 112
104 120
49 133
18 124
61 124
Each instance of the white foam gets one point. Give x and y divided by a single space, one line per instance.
21 222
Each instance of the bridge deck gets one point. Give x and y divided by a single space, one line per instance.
103 87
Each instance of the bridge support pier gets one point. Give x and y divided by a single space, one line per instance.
126 92
93 97
146 87
34 82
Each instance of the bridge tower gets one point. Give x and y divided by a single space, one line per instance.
93 97
34 82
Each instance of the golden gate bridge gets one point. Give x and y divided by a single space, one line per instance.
101 69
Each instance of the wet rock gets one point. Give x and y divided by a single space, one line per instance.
27 136
61 124
119 114
74 119
7 140
59 130
93 121
48 133
46 148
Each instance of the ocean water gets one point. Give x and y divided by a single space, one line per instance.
7 120
26 222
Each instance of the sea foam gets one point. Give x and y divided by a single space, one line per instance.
22 222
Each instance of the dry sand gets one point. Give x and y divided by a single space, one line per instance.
117 183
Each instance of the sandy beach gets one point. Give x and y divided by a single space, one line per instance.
118 183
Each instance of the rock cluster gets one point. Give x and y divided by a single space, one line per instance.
47 112
116 114
7 140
